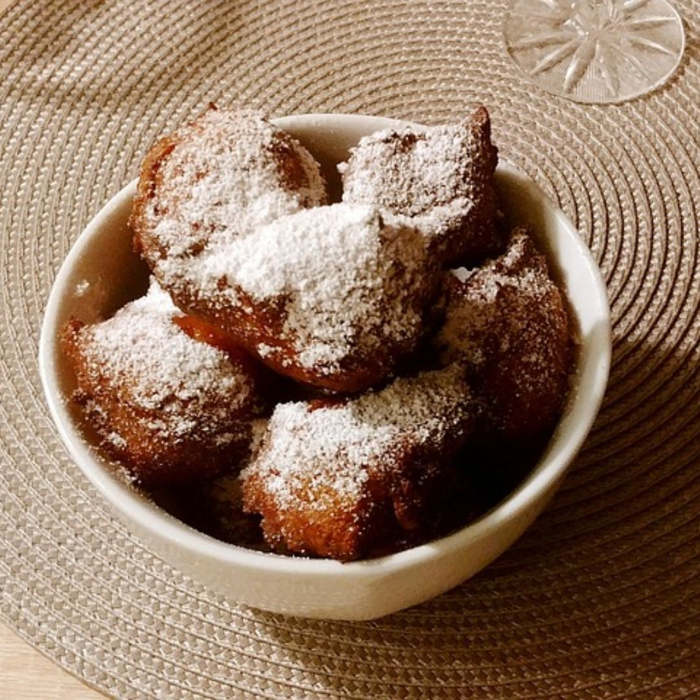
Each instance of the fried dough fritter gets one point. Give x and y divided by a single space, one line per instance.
331 297
213 181
169 397
507 322
339 479
438 179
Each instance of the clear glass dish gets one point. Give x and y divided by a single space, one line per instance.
595 51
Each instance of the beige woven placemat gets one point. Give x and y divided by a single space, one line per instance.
600 598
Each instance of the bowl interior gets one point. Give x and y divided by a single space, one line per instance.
101 273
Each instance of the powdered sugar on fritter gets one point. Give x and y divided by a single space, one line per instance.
432 175
155 366
347 283
496 303
227 172
323 455
420 168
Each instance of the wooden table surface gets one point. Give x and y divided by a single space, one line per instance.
25 673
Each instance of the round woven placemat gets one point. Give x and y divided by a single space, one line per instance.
600 598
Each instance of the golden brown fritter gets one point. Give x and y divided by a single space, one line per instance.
214 180
507 323
331 297
438 179
169 397
337 479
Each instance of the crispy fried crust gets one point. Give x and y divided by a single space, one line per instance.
507 322
189 420
150 182
440 179
341 480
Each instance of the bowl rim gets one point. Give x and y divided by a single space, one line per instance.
178 534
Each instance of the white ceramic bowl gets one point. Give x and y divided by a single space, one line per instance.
102 257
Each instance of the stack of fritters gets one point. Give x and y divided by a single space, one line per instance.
340 299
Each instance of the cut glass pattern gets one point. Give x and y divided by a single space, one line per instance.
595 50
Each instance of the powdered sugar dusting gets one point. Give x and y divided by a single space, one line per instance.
348 283
156 367
227 173
81 288
461 273
325 455
503 291
432 175
421 167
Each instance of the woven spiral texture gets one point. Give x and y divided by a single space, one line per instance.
601 597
